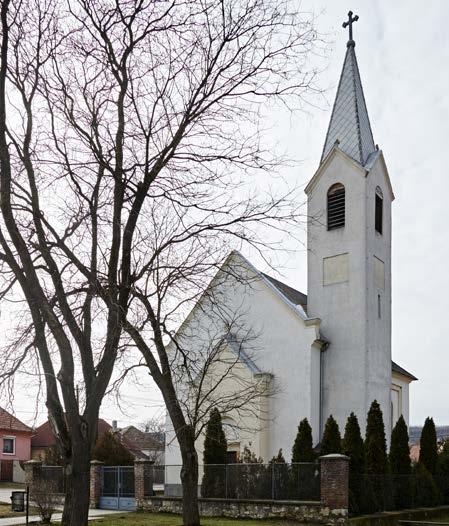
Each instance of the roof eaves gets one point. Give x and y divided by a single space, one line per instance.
297 309
335 150
371 161
400 370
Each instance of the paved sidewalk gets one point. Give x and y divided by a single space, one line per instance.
93 514
5 496
5 493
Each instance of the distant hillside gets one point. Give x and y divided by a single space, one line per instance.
415 433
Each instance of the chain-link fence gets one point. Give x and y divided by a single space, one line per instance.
250 481
53 476
377 493
158 474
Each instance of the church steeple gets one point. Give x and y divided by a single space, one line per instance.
349 125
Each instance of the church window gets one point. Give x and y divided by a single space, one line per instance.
336 206
378 221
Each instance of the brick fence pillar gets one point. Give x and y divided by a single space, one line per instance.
95 483
335 482
143 478
33 469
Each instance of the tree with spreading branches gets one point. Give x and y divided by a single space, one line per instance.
131 144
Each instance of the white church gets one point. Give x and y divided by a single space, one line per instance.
327 352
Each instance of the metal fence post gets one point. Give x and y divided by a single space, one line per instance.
226 481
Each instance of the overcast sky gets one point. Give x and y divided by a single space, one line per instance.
402 49
403 54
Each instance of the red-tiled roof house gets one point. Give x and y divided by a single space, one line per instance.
15 443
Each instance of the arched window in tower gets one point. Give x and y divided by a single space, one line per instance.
336 206
379 212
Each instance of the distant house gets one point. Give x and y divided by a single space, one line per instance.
415 436
43 442
414 453
415 433
149 444
15 444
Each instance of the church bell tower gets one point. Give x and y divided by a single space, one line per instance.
349 257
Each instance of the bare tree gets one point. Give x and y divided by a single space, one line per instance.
155 430
131 139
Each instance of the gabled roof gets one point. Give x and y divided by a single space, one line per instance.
9 422
44 437
287 294
141 440
349 125
296 297
398 369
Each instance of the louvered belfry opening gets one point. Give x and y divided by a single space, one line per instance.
378 220
336 207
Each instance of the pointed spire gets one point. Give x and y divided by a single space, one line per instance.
349 124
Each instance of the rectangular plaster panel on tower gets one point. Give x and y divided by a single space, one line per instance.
335 269
379 273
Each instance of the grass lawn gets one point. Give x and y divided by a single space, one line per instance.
5 511
166 519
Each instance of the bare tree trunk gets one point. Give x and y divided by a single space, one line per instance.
185 434
189 479
77 480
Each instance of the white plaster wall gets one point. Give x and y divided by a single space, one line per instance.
379 330
357 364
18 474
251 420
282 346
404 384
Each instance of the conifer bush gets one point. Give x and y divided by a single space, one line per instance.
400 465
303 446
353 447
331 441
425 490
376 461
280 473
428 454
303 483
111 451
443 471
250 478
214 458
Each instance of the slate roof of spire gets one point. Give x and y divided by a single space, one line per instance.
349 122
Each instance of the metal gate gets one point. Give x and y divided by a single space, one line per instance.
117 488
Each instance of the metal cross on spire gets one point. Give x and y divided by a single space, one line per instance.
349 23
